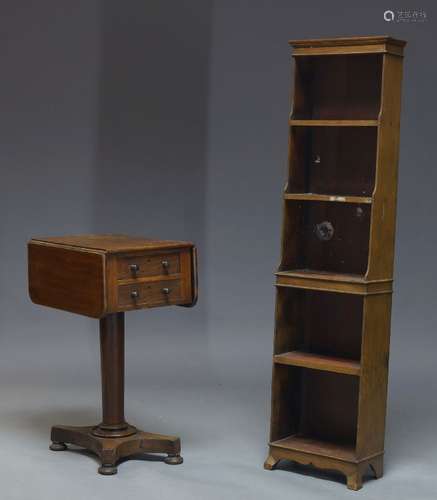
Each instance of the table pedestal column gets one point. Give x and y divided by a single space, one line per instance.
114 438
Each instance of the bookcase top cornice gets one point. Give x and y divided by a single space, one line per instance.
340 42
348 45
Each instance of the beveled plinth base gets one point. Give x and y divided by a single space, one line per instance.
111 449
353 471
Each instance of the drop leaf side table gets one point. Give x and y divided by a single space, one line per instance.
102 276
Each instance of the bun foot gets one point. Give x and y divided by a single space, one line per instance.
173 460
55 446
107 470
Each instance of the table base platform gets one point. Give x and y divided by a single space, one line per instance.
112 445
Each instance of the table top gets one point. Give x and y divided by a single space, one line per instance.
112 243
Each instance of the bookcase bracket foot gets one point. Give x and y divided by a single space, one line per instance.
271 462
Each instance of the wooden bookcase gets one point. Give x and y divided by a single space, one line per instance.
334 282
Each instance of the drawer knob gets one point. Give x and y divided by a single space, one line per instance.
166 291
165 264
134 268
134 294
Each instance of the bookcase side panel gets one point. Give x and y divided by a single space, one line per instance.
297 158
291 244
299 92
383 221
285 383
286 402
374 374
288 319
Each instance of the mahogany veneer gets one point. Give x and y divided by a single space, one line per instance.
103 276
334 282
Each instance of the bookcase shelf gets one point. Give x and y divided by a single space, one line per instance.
318 362
306 444
332 123
327 197
334 282
322 275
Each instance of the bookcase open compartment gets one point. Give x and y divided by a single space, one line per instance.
323 235
323 412
337 87
338 161
328 325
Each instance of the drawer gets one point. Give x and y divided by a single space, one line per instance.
149 294
137 266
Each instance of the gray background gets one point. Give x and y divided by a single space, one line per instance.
169 119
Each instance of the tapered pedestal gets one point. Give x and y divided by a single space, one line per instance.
114 438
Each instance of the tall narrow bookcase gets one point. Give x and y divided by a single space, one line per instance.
334 283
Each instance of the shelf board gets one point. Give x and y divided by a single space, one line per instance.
312 446
318 362
327 197
332 282
333 123
323 275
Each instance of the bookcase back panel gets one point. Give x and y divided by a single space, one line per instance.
329 408
324 323
332 324
320 236
338 87
315 404
333 160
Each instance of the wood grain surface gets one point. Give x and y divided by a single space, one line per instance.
333 287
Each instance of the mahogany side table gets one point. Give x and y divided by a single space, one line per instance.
102 276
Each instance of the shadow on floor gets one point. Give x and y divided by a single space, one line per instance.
38 423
